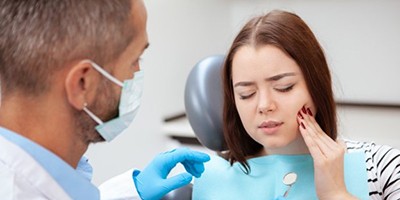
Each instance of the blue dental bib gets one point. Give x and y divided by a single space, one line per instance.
221 181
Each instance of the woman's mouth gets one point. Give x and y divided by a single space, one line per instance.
270 127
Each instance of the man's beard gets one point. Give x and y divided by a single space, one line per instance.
105 106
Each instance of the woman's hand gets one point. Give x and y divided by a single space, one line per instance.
328 156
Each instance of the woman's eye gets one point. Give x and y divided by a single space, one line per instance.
286 89
246 96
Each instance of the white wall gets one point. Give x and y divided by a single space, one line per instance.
182 32
361 40
380 125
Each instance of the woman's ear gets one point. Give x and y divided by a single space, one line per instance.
81 84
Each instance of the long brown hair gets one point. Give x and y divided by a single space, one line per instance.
291 34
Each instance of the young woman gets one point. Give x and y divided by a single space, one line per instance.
280 114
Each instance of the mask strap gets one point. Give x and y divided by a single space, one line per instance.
92 115
0 94
105 73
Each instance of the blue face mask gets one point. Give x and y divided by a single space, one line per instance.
131 94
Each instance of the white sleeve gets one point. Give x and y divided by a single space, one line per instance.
120 187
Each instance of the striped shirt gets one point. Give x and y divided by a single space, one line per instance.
383 168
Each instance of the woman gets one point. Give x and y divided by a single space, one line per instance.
279 110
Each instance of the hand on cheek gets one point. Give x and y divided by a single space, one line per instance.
328 157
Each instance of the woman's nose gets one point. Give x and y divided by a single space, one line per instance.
266 103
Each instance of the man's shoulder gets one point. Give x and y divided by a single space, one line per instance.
17 177
6 181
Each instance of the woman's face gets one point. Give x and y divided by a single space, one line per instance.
270 90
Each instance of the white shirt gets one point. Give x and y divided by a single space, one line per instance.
29 171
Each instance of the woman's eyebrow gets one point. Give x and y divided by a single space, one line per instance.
243 83
272 78
279 76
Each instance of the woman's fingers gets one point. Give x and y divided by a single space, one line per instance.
324 136
311 143
310 133
327 154
314 135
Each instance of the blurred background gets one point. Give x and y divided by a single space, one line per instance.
361 42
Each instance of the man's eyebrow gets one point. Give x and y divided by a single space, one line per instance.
272 78
146 46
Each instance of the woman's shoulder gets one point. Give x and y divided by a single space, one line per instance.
383 168
219 168
356 146
371 149
216 174
218 163
376 155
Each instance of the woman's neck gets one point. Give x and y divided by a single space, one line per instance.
296 147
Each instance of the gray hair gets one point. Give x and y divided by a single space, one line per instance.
38 37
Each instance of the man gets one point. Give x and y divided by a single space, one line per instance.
66 81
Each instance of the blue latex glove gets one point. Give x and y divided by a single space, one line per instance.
280 198
152 182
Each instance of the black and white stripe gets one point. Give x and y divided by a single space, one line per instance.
383 169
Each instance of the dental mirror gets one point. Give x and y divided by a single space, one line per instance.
289 179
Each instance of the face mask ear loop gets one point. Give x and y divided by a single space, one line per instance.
105 73
0 94
93 116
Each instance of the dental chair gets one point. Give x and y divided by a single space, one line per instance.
204 105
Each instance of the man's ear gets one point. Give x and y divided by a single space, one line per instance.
81 84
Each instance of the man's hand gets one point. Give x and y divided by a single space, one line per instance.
152 182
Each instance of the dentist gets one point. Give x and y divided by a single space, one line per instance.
70 76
